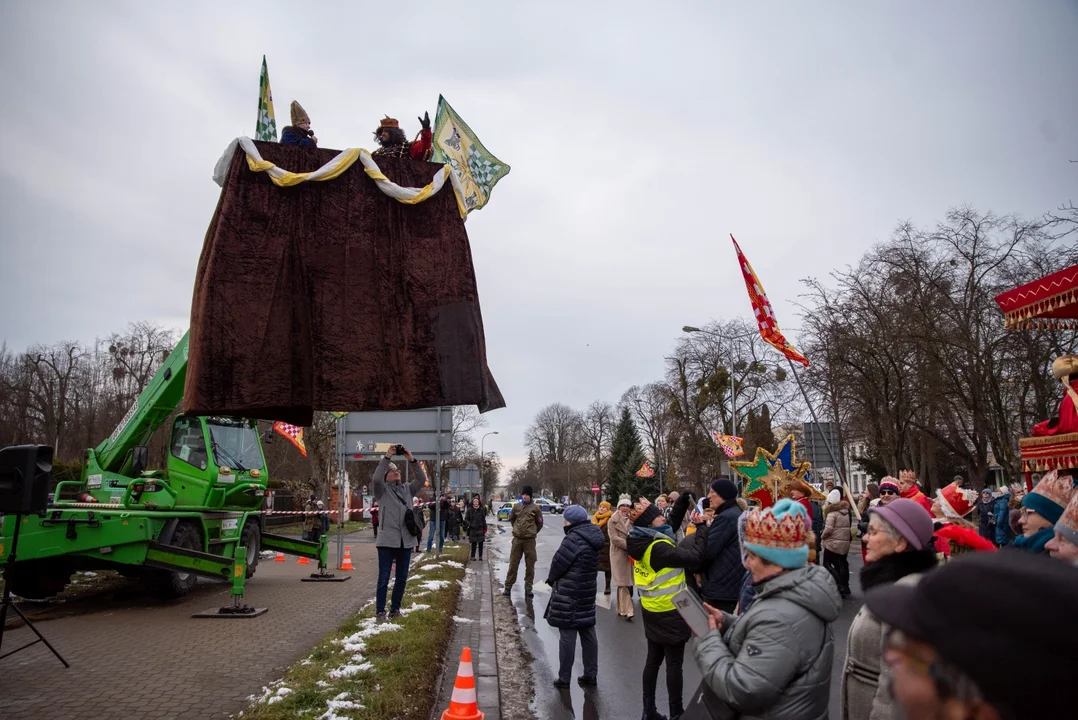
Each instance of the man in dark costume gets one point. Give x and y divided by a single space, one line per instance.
394 144
299 132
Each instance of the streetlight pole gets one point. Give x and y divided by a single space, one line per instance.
733 391
482 466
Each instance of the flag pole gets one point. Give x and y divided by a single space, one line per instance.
826 440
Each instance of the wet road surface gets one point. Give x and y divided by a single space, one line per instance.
622 646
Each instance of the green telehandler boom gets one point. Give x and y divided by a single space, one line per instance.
201 515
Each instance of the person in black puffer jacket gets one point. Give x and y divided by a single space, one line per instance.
572 596
476 521
722 571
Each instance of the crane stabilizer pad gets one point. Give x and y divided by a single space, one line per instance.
232 613
326 577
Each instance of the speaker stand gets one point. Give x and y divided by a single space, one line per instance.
9 570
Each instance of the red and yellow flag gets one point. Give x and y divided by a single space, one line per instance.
294 434
645 471
765 315
732 445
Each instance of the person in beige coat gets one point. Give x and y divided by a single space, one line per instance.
621 570
836 544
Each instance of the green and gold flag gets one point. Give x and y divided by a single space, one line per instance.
337 415
476 168
266 127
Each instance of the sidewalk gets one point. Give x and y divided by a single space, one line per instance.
473 627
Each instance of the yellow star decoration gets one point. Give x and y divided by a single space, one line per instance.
769 472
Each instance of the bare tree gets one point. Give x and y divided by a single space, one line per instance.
596 431
466 420
556 438
650 407
911 351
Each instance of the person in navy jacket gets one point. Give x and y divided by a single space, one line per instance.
299 132
572 595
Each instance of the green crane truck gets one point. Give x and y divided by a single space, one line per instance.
199 516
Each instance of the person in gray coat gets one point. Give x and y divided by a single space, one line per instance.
774 660
395 541
899 550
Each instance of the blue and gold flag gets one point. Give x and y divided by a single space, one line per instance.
476 168
266 126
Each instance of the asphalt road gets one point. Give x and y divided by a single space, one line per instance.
622 647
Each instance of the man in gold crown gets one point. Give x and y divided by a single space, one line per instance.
774 660
1065 370
394 143
299 132
907 487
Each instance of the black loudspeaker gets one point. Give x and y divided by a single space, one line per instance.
25 476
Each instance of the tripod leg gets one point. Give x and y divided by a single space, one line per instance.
6 602
40 637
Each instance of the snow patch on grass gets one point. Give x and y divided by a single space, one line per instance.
433 585
339 703
349 670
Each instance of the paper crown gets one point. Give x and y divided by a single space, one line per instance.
763 528
299 115
1056 488
388 122
1067 525
955 501
908 476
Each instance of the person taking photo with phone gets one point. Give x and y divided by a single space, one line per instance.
398 528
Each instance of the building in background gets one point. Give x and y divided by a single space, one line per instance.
859 477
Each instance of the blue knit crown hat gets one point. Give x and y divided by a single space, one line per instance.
778 534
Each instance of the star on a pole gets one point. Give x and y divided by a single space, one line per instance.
771 475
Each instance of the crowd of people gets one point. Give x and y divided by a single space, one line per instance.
950 604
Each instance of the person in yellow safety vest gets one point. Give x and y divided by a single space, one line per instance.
658 574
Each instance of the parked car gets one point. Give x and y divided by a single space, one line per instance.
549 506
504 510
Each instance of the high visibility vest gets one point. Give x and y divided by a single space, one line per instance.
657 589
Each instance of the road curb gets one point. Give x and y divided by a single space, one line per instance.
474 628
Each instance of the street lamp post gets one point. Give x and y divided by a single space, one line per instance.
482 466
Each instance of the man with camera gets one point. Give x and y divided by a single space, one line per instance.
397 526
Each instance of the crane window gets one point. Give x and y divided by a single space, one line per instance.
188 444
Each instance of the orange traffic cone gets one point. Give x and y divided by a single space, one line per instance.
303 561
347 564
463 704
279 557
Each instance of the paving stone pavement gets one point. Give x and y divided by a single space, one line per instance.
476 609
145 659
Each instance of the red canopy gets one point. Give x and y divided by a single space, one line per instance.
1049 302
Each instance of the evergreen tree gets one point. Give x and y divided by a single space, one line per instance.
758 432
626 457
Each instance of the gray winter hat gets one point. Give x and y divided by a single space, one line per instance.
575 514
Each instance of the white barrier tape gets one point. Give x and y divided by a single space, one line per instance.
299 512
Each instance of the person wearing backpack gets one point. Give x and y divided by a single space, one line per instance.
398 526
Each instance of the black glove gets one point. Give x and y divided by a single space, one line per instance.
425 121
683 500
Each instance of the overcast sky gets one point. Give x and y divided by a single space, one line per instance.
640 134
